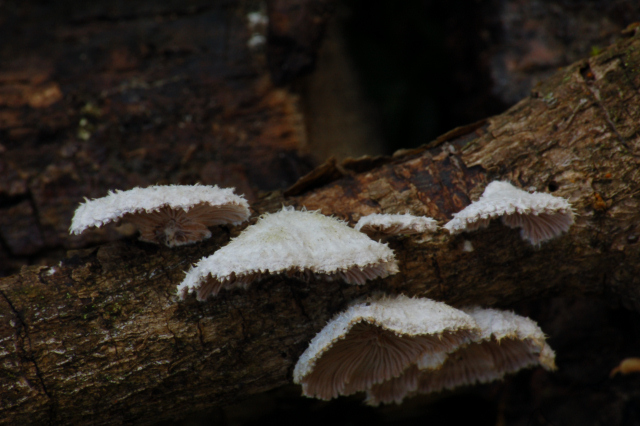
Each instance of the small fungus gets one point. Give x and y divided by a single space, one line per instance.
394 224
540 216
299 244
507 343
173 215
467 247
627 366
374 341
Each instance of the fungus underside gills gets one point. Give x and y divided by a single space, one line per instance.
377 340
173 215
507 343
539 216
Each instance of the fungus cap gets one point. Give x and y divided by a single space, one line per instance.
540 216
506 343
394 224
296 243
375 341
173 214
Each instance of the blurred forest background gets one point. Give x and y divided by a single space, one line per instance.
114 94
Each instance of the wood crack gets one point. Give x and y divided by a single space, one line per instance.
28 355
589 78
436 267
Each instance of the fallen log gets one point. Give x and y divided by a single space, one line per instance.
102 338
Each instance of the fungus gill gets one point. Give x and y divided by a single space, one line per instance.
173 215
375 341
540 216
507 343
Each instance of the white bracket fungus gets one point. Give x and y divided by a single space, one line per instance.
394 224
174 215
540 216
296 243
507 343
375 341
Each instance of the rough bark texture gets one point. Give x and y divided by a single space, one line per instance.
530 39
101 338
296 28
102 96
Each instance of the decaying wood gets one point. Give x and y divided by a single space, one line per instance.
295 31
101 338
102 96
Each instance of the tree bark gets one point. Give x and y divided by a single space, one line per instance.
96 97
102 338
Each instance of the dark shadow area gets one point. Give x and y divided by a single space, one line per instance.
421 64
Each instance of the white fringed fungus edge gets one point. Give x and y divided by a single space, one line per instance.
498 324
505 324
541 216
505 344
401 315
115 205
299 243
394 224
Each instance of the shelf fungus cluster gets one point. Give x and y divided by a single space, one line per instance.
388 347
392 348
300 244
173 215
540 216
395 224
375 341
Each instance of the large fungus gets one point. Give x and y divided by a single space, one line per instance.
173 215
540 216
299 244
394 224
375 341
507 343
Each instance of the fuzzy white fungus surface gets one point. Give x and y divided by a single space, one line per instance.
394 224
540 216
114 206
505 344
500 324
299 243
410 327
